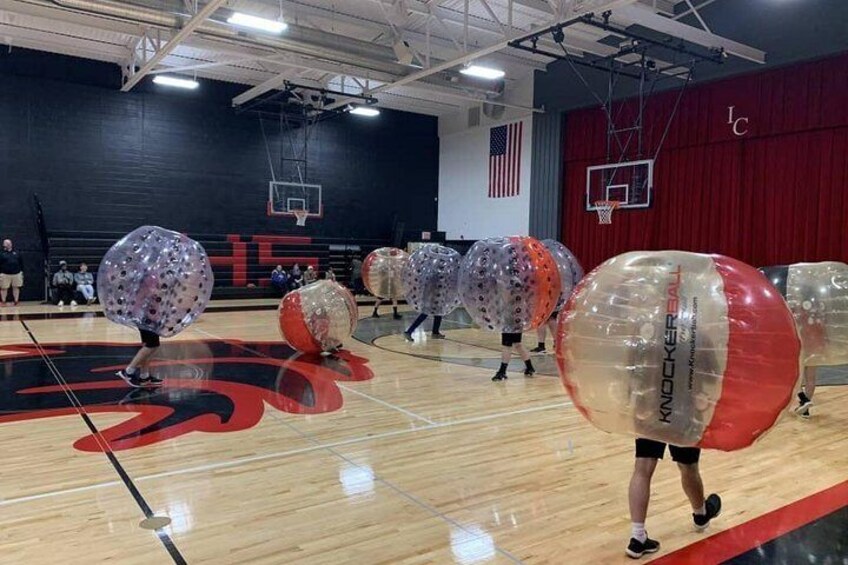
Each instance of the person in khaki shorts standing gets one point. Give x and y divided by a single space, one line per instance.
11 272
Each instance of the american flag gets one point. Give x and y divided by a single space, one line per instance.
505 160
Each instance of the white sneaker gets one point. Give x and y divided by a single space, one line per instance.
73 302
61 303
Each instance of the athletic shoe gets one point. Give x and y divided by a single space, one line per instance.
375 314
408 336
397 316
499 376
133 380
713 506
538 349
804 405
61 303
74 303
438 336
805 414
152 381
637 549
529 371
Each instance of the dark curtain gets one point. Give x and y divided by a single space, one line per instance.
773 196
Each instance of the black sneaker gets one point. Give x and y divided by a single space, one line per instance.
408 336
539 349
397 316
713 506
637 549
437 335
153 381
804 404
375 314
133 380
529 371
500 376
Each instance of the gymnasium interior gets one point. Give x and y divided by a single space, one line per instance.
343 217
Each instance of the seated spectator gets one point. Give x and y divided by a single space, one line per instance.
296 279
280 280
310 276
330 275
63 280
85 283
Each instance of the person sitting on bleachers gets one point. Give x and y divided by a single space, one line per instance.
63 280
309 276
85 283
296 279
280 280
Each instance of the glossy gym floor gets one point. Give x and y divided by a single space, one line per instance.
394 452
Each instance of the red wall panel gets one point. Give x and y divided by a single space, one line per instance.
775 195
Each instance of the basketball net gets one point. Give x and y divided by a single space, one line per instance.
300 216
605 209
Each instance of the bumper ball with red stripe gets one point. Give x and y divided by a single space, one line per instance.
382 272
318 317
817 295
509 284
683 348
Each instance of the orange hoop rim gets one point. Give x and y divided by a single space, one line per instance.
605 209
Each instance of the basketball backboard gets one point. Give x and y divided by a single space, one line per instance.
285 198
630 183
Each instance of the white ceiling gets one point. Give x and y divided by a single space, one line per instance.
335 42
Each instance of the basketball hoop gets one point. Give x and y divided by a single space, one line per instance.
605 209
300 216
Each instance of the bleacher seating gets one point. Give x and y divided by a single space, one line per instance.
242 263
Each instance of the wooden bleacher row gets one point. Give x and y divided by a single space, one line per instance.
242 263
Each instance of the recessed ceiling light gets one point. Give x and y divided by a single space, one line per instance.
482 72
166 80
365 111
254 22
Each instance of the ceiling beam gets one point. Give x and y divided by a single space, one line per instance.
585 6
172 44
637 14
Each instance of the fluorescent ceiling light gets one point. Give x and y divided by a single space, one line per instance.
364 111
254 22
186 83
482 72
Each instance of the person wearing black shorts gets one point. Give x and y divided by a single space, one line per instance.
510 341
648 452
137 374
542 333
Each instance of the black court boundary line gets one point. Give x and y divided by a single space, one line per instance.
166 540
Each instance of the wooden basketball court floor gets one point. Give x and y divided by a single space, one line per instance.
396 453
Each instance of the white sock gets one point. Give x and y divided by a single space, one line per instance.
130 372
637 531
702 511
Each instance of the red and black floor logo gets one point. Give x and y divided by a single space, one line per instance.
210 386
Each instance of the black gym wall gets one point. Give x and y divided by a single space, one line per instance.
102 160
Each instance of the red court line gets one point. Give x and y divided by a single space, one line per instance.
750 535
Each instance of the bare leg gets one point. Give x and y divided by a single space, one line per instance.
639 493
693 486
142 359
16 294
506 354
522 351
542 333
809 381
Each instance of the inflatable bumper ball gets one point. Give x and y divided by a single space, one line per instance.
509 284
318 317
430 280
682 348
817 295
156 280
382 272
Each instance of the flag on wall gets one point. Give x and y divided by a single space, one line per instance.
505 160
